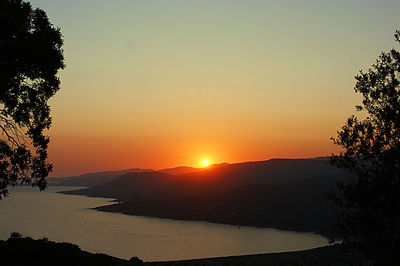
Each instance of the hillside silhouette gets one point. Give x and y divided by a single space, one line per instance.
99 178
91 179
21 251
280 193
18 251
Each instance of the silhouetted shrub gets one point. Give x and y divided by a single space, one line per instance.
136 261
15 235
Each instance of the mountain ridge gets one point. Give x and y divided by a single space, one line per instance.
281 193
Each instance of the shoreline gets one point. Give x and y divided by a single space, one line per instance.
112 209
335 254
46 252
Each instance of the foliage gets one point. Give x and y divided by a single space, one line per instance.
15 235
371 150
30 57
136 261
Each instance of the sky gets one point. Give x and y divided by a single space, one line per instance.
157 84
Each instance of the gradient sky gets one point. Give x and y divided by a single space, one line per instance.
156 84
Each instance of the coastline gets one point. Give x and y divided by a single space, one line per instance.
69 254
335 255
116 208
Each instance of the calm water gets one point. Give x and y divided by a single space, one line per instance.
67 218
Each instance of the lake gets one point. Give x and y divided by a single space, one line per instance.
68 218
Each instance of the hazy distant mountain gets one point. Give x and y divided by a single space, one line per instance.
210 181
180 170
186 169
283 193
92 179
99 178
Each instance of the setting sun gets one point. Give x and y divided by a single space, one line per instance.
205 163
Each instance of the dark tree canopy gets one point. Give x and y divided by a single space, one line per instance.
371 150
30 56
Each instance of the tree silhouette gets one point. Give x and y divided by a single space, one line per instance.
30 57
371 149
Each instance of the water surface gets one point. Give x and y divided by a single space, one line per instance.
69 218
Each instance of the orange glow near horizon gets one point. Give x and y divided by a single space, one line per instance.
156 85
75 155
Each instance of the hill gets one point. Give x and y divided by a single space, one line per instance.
91 179
99 178
18 251
179 170
280 193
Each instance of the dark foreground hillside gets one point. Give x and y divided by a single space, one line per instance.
26 251
18 251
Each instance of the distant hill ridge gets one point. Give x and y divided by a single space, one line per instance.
98 178
209 181
281 193
92 179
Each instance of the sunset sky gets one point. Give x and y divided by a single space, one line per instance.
156 84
